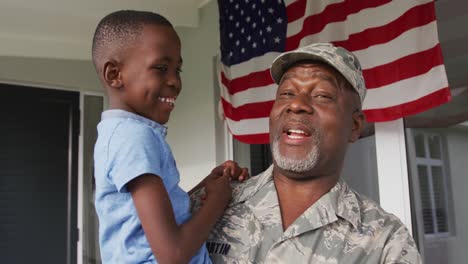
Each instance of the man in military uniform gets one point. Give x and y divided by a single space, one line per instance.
298 210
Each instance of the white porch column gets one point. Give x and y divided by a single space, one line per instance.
392 169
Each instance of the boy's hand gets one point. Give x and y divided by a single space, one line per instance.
234 171
218 189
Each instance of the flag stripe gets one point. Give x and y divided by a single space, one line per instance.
399 47
404 68
421 104
247 111
248 126
255 79
410 19
296 10
260 94
256 64
357 23
332 13
397 93
254 138
311 8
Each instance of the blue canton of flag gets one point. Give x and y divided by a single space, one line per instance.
251 28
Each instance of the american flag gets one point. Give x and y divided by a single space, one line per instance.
395 41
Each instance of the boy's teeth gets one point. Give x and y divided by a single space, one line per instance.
167 99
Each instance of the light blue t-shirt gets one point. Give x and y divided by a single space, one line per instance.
128 146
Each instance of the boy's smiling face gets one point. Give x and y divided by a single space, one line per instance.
150 74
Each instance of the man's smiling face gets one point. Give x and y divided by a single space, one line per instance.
311 121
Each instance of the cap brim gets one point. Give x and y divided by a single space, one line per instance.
283 62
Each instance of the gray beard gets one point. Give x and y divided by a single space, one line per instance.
296 165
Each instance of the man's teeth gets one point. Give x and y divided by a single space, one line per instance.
296 133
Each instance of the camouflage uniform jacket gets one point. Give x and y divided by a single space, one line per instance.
341 227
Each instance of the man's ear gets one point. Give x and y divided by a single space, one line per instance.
358 125
112 75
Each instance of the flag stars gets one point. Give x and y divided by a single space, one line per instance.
251 29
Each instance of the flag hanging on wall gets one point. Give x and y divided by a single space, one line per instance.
395 41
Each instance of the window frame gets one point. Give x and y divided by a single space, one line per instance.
428 162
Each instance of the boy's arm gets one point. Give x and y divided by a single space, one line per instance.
169 242
198 186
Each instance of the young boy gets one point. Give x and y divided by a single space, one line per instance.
143 213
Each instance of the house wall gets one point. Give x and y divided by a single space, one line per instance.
77 75
457 141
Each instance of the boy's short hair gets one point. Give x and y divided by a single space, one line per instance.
118 29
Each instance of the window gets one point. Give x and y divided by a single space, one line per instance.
432 176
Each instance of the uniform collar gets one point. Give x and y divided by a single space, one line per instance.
346 203
119 113
259 194
339 202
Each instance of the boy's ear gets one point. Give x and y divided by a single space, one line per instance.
112 75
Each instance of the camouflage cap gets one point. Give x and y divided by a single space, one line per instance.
339 58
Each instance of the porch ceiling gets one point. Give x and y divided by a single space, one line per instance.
63 29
